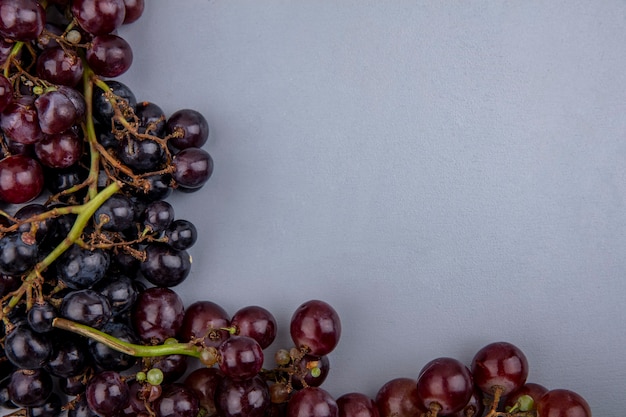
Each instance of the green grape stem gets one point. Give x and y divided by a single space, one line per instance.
85 212
143 351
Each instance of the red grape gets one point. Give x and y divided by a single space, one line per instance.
21 179
398 397
315 325
562 403
444 383
499 364
312 402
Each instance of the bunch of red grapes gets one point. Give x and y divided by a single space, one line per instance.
90 251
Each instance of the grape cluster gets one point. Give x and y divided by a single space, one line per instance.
91 253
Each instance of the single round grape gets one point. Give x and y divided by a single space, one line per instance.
193 128
107 393
61 150
445 382
151 118
257 323
158 216
69 357
157 314
120 291
316 326
241 357
165 266
499 364
181 234
134 10
204 319
398 397
247 398
21 179
86 307
21 20
109 358
18 253
20 121
193 167
56 113
109 55
562 403
40 230
30 388
313 371
40 317
355 404
177 401
204 382
103 109
312 402
60 66
27 349
99 17
81 268
116 213
141 155
533 390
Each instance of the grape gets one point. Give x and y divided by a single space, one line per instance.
316 326
257 323
30 388
312 402
40 317
134 10
562 403
111 359
355 404
247 398
21 20
81 268
157 314
141 155
59 66
193 168
158 215
109 55
102 105
20 121
120 291
69 357
204 319
177 401
18 253
306 375
99 17
55 111
165 266
399 397
21 179
204 382
59 151
151 118
240 357
181 234
445 383
27 349
107 393
116 214
499 364
86 307
192 125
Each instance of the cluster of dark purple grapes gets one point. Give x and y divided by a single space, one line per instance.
90 251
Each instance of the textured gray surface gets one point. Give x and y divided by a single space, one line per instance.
446 174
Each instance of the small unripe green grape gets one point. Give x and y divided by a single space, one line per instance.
316 372
155 376
170 341
140 376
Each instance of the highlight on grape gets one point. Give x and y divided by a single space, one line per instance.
91 251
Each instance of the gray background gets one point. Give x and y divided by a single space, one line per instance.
445 173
